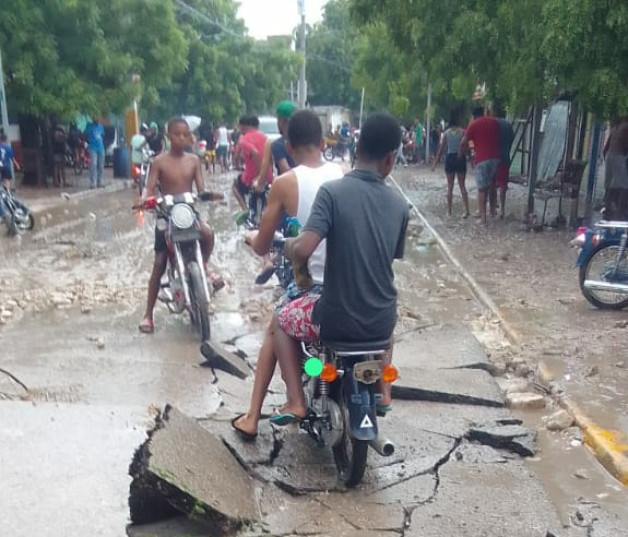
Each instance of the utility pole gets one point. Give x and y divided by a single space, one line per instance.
302 87
3 101
361 108
428 124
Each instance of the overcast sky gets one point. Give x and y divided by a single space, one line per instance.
277 17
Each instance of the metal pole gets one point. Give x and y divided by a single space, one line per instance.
302 80
428 124
595 151
361 108
534 153
3 100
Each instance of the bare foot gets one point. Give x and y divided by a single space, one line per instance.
146 326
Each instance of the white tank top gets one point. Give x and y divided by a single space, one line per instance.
309 180
223 136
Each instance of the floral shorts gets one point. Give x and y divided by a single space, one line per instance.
294 313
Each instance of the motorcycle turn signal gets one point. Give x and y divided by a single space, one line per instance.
390 373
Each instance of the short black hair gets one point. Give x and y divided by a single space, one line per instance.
454 119
176 121
245 121
304 128
478 111
254 122
380 135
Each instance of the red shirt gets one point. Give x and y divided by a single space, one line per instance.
253 139
484 132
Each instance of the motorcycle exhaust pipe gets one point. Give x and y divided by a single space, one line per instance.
606 286
383 446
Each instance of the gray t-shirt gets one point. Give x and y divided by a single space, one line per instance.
364 222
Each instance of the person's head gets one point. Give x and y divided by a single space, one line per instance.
254 122
454 119
379 141
305 135
154 128
178 134
478 111
284 113
144 129
245 124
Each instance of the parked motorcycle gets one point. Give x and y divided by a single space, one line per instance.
139 172
339 382
186 287
18 217
603 262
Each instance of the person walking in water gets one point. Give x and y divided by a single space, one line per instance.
455 165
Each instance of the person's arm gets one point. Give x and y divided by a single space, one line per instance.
198 176
260 180
401 241
318 225
464 143
153 178
439 152
262 241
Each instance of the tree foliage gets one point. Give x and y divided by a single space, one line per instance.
67 56
525 50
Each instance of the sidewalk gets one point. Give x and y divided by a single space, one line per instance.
533 282
40 200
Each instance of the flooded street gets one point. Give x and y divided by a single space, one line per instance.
80 386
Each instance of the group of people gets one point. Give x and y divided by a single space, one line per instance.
353 227
489 138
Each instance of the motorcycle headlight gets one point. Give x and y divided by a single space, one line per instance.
182 216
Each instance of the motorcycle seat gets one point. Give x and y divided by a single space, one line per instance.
359 347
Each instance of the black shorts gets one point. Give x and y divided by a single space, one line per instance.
455 164
160 241
5 173
242 188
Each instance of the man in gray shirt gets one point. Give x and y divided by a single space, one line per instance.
364 222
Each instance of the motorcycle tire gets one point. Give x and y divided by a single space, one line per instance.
12 227
328 154
350 454
26 224
200 305
592 296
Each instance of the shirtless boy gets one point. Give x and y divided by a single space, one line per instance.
174 173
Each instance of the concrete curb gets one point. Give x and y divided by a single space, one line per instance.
511 334
606 445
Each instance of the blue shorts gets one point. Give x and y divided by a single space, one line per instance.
222 150
486 172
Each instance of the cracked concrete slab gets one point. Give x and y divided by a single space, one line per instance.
182 467
365 513
442 347
457 386
218 357
507 500
514 438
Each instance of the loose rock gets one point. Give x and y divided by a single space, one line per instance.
593 371
621 324
559 421
525 400
100 343
581 474
516 385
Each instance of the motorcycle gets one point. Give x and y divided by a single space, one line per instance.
18 217
186 288
139 172
335 148
603 263
339 383
282 266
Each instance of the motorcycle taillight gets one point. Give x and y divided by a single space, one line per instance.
136 171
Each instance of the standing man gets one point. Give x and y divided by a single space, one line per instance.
616 178
483 131
364 222
506 138
95 134
418 140
222 146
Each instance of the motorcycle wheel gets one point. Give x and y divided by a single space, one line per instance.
200 305
603 259
350 454
328 154
27 223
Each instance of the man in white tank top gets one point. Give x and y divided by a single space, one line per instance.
222 146
292 193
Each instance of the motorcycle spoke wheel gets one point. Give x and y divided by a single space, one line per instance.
200 305
601 267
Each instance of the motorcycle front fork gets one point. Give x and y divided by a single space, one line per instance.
621 251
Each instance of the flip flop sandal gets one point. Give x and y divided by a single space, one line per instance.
382 410
146 327
241 217
217 282
247 437
265 275
282 420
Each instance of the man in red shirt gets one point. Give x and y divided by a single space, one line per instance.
251 146
484 132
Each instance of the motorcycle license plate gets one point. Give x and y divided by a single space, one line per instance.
368 372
